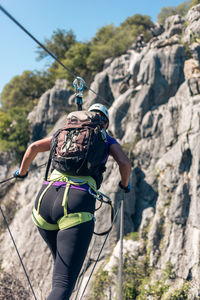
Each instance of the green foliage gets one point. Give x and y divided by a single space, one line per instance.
156 290
134 236
18 98
100 283
87 59
14 133
193 3
24 91
180 294
75 61
181 10
166 12
112 41
134 273
60 42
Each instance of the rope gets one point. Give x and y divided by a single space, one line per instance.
100 252
34 168
51 54
12 177
43 47
84 270
32 37
18 253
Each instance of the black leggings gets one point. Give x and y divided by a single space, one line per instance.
69 246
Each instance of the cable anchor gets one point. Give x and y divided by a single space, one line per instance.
79 85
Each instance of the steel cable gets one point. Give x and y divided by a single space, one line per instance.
29 282
100 252
50 53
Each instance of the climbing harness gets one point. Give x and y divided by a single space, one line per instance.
86 183
29 282
79 85
68 220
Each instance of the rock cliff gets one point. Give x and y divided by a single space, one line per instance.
154 100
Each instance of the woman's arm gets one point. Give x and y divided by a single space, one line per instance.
123 162
31 152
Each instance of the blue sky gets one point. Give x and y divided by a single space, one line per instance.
42 17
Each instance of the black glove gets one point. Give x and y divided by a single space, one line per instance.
16 174
126 189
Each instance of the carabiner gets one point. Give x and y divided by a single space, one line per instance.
97 196
79 85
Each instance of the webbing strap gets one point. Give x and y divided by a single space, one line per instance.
75 180
42 223
42 195
65 197
74 219
65 222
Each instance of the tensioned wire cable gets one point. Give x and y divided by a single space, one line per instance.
12 177
12 238
18 253
81 276
48 51
97 259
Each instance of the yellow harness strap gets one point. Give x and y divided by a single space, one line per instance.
68 220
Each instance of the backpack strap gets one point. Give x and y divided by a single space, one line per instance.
52 151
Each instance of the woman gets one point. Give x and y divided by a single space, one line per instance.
64 211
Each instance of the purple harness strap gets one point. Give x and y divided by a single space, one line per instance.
83 187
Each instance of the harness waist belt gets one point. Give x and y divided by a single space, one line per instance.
83 187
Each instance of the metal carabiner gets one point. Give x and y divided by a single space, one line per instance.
98 197
79 85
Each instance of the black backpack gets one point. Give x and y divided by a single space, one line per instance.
79 148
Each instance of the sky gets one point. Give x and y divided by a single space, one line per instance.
42 17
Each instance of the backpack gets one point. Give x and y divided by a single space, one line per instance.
79 148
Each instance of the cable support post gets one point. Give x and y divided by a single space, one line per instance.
121 258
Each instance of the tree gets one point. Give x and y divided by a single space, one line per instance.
193 3
100 48
14 131
181 9
60 42
111 42
75 61
24 90
165 13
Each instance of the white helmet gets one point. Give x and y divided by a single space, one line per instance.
100 107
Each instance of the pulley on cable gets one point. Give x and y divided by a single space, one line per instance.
79 85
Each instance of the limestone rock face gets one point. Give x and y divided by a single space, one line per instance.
193 29
154 105
51 106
